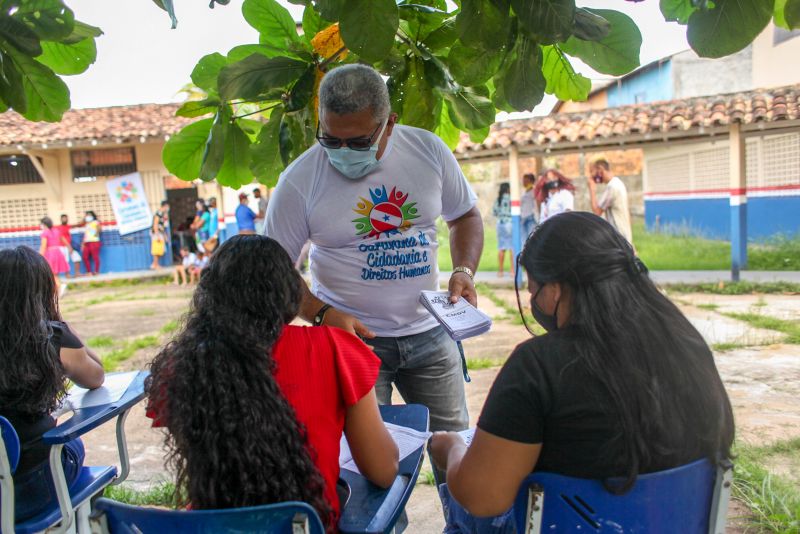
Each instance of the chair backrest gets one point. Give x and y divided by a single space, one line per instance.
675 500
286 517
11 450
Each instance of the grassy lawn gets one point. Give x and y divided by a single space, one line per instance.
665 252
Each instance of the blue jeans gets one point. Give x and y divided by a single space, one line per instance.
34 491
528 224
426 368
459 521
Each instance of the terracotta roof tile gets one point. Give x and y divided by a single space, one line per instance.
593 127
120 122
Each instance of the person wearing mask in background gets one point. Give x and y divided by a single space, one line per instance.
554 193
213 225
245 217
51 245
70 254
368 196
263 204
527 206
502 212
158 234
91 243
201 224
614 203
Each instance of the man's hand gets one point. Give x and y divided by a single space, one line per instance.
462 285
591 183
347 322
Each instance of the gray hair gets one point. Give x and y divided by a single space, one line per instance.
354 88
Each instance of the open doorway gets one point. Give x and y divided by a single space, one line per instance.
181 214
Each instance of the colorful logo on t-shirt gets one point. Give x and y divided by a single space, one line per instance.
384 213
126 192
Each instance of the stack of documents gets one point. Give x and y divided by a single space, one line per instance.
460 320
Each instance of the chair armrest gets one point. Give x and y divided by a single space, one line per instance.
721 497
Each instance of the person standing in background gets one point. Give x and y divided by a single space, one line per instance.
554 193
201 224
527 206
502 212
51 245
158 234
245 217
263 203
213 225
66 249
91 243
614 203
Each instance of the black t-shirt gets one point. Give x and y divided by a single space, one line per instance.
544 394
31 427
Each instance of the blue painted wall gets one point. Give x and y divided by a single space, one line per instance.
652 85
766 216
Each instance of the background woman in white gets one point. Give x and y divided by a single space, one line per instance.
554 194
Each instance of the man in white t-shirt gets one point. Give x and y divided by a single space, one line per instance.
614 202
261 212
367 196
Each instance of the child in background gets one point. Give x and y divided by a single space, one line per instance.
182 271
200 263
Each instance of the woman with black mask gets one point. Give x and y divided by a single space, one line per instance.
620 385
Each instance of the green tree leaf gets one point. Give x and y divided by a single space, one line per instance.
562 80
727 27
329 9
238 53
524 82
479 136
198 108
368 27
256 75
677 10
444 36
483 23
549 21
68 59
419 21
214 151
19 36
446 130
46 95
302 90
312 23
265 154
617 53
590 26
11 92
274 23
206 71
183 153
51 20
235 170
167 6
81 31
470 108
420 103
791 14
473 65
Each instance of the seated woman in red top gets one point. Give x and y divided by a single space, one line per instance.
255 407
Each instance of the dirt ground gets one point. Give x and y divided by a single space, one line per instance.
762 378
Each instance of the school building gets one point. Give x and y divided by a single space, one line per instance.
61 168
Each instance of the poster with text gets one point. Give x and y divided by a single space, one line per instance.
129 203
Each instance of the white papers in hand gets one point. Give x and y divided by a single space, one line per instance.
460 320
408 440
467 435
113 388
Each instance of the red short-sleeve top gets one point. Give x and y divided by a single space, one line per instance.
322 371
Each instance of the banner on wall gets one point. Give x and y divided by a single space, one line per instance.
129 203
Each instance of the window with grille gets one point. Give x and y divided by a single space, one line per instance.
87 165
712 169
781 160
752 155
18 169
97 203
668 174
22 213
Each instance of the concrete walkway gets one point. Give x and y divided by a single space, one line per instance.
490 278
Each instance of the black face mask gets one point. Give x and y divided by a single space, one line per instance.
548 322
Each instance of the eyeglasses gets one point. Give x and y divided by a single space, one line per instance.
354 143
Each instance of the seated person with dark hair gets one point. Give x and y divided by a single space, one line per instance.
620 385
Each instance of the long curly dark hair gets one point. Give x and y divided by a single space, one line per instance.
656 367
31 374
233 438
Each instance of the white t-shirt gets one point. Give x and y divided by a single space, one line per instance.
189 259
615 204
559 202
373 239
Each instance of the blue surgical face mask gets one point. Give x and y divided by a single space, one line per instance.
355 164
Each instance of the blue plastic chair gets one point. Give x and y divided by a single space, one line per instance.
289 517
691 499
